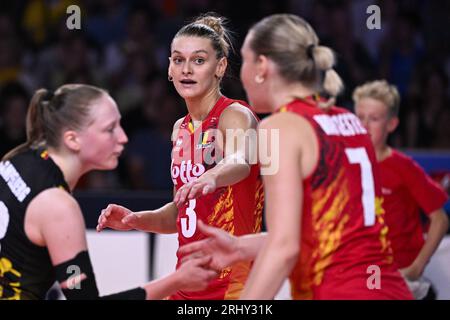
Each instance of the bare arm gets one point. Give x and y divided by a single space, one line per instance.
438 229
283 191
60 226
239 147
162 220
191 276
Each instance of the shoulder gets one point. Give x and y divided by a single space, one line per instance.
178 123
55 206
292 130
176 126
403 161
237 115
408 168
286 121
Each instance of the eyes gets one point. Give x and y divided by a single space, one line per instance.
371 118
197 60
112 127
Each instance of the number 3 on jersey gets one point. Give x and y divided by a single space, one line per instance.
359 156
189 224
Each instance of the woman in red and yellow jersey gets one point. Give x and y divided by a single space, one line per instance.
214 170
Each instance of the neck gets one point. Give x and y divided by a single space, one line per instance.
199 107
69 165
382 152
283 93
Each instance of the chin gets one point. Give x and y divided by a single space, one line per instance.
186 93
109 165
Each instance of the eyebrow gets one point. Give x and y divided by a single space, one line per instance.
195 52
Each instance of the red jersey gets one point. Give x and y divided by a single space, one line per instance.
407 188
236 209
343 235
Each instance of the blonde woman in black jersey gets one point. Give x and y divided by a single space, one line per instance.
42 232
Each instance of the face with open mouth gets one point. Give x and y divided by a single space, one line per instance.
194 66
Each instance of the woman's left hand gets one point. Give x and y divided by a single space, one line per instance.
194 189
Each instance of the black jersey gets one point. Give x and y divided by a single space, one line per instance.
26 271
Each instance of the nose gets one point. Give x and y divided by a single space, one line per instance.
187 68
122 136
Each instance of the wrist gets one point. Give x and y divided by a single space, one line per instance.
176 279
242 253
419 266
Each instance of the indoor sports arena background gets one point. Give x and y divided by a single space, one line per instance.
123 46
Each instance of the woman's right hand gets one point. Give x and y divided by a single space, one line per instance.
118 218
221 246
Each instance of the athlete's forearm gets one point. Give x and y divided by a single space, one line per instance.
163 287
249 246
162 220
229 171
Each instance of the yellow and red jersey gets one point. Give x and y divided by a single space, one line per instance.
236 209
343 234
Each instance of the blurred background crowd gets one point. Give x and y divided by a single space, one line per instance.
124 46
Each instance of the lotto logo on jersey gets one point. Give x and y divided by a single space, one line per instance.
186 171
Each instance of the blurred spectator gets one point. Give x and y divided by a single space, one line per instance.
106 21
148 153
354 63
13 109
402 51
429 115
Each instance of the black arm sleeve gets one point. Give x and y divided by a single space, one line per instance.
87 288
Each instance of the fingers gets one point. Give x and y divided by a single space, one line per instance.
193 247
193 193
100 216
104 215
206 190
211 274
180 196
190 191
207 230
202 260
101 221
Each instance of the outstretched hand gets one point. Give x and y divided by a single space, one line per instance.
117 217
220 245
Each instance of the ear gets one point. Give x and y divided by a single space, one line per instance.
169 68
262 66
392 124
71 140
221 67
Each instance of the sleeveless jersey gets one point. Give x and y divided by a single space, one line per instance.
344 243
26 271
236 209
